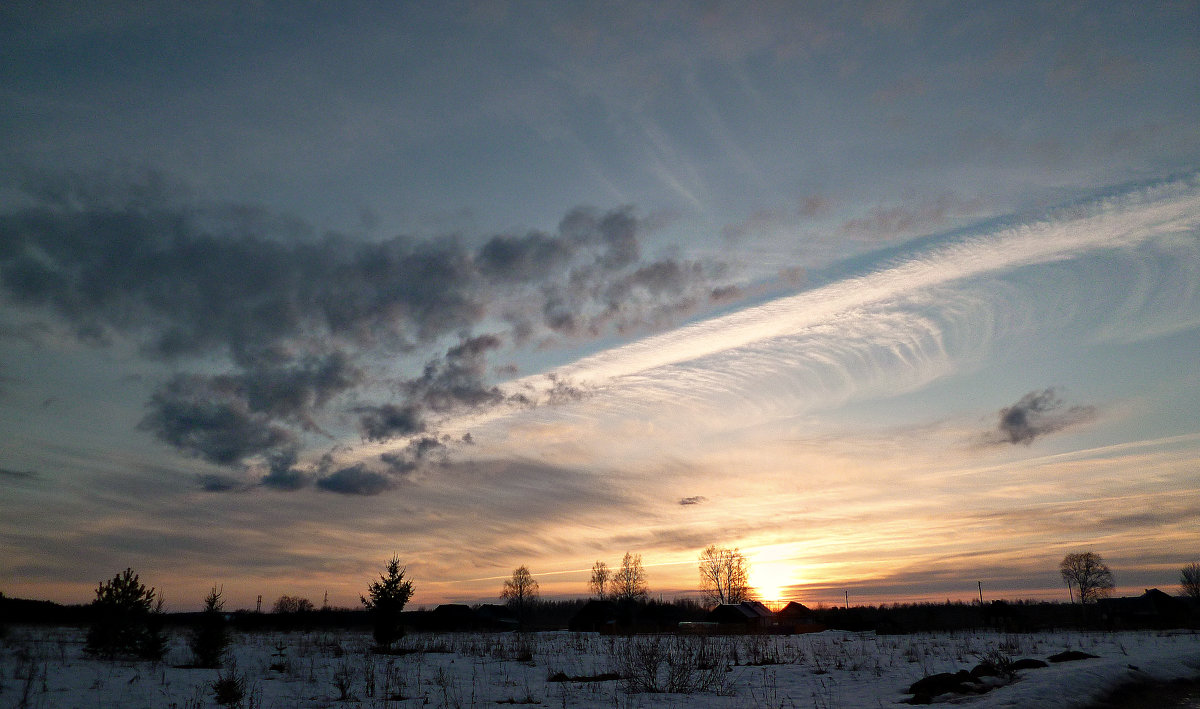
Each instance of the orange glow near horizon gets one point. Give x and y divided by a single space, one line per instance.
773 582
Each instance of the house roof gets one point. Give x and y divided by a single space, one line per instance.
792 609
745 611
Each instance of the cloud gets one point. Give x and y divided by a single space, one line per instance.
694 500
283 472
778 219
17 475
293 312
1124 221
355 480
885 222
457 379
522 259
381 423
1036 414
191 416
218 483
417 452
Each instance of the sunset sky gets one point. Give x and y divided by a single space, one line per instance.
896 298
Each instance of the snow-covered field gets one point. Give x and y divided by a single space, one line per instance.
46 667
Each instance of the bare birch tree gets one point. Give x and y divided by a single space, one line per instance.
629 582
598 585
724 575
1189 580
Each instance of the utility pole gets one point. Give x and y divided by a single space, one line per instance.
258 608
980 592
847 599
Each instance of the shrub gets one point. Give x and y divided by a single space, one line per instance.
126 620
657 663
229 688
210 635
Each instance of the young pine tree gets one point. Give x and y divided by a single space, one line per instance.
210 635
126 620
386 600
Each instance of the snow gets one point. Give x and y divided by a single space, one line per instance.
46 667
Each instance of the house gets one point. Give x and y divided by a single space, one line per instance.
796 612
1152 609
452 617
595 617
751 614
495 617
797 618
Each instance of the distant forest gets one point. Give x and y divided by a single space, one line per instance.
655 616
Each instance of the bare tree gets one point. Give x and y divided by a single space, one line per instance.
1089 574
724 575
293 604
520 591
598 585
1189 580
629 582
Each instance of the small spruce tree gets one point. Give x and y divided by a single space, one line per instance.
126 620
386 600
210 635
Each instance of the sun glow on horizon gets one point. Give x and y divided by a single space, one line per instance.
773 582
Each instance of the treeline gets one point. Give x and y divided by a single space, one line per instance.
543 614
648 616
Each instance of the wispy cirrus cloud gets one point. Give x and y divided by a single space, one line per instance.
898 311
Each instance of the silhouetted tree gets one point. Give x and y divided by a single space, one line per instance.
1088 572
598 585
387 598
520 591
724 575
629 582
292 605
1189 580
126 619
210 636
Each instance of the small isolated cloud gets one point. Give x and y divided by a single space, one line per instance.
777 219
885 222
8 474
355 480
1037 414
694 500
563 390
218 483
815 205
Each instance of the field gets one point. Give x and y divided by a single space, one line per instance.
46 667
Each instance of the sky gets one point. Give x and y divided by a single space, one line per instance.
902 300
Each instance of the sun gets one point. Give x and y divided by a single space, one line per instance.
772 582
